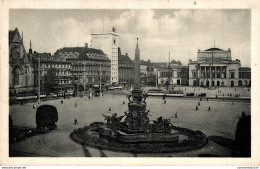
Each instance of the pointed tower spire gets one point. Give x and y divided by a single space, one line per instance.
137 84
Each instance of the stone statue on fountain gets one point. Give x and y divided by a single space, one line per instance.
137 121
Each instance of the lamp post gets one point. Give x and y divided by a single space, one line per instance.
39 80
100 80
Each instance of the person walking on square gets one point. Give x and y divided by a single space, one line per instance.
199 103
34 105
197 108
176 115
163 98
75 122
209 108
76 105
61 101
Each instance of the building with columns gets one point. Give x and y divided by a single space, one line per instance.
108 43
215 67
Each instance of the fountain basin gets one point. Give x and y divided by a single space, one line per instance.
121 136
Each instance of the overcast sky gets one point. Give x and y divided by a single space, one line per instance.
182 32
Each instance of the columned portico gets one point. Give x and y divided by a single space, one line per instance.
215 67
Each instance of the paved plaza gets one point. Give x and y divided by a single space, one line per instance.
221 120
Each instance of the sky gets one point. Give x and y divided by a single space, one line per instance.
160 31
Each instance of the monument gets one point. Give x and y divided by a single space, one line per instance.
134 132
136 126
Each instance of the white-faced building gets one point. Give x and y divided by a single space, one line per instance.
108 43
215 67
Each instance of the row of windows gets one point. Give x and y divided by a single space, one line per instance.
55 65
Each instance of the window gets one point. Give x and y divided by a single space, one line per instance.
232 75
16 76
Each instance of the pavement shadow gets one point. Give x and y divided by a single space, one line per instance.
223 141
86 152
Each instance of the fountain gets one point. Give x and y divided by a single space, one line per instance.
133 131
137 127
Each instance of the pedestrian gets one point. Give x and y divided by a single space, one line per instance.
75 121
248 89
61 101
76 105
34 106
123 102
209 108
197 107
164 101
176 115
199 103
163 98
200 99
216 96
109 110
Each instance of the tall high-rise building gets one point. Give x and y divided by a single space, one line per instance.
108 43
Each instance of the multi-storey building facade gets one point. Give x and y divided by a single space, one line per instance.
87 66
108 43
214 67
125 68
21 70
172 73
62 70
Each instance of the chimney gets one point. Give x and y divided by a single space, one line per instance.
86 45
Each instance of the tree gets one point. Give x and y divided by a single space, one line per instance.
50 83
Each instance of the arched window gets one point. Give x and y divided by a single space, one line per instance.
16 76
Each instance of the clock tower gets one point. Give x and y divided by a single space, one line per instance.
108 43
